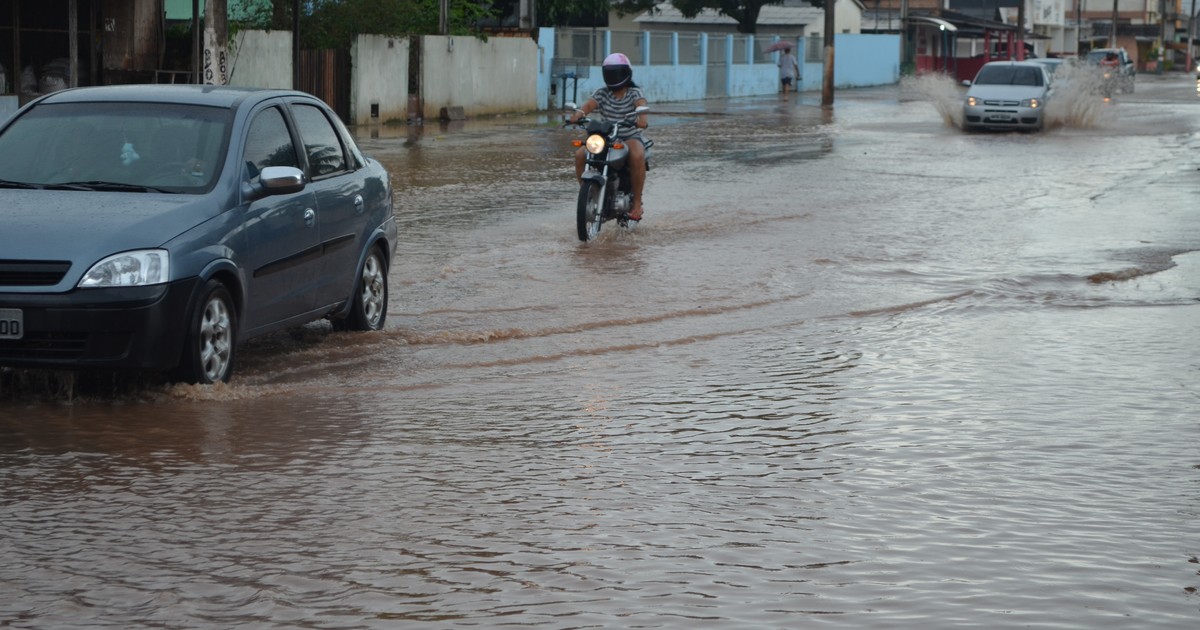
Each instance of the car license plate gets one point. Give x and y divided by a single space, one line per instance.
12 323
1001 117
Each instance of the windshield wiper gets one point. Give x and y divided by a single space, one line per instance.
4 183
103 186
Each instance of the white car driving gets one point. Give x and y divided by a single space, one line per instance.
1007 95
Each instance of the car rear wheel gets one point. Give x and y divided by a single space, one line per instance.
368 309
208 351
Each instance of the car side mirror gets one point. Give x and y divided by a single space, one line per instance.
281 180
966 83
275 180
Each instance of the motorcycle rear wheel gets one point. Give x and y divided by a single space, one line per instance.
588 214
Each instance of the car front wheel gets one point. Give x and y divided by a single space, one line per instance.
368 308
208 350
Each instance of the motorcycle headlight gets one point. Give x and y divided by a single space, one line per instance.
595 143
129 269
1032 103
972 101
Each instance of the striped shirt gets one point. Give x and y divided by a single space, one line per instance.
621 110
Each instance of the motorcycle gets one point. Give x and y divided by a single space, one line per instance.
606 187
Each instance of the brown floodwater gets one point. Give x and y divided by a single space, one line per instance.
855 368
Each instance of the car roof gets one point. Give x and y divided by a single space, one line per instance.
209 95
1013 62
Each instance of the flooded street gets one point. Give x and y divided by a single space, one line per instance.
855 369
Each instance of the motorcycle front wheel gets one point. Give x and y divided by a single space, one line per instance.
588 213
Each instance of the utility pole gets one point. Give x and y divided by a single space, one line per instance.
1112 32
1079 23
73 45
216 35
827 80
196 39
1020 32
295 44
1162 35
443 17
1191 61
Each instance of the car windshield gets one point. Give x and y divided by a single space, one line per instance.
115 147
1009 75
1096 56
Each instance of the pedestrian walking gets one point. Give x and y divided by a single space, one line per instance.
789 70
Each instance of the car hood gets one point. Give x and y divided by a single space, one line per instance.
1007 92
83 227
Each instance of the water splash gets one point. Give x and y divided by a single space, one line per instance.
941 91
1080 98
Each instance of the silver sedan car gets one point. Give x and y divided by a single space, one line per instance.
1007 95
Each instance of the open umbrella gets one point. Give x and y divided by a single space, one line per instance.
779 45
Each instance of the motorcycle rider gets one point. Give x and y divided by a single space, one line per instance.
1109 66
617 100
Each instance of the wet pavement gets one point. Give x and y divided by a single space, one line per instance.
856 368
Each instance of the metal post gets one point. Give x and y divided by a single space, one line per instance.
296 44
1191 61
1162 35
1020 56
1079 23
1112 32
196 42
73 45
827 82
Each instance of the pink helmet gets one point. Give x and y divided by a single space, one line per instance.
617 71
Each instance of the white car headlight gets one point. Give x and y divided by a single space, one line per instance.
972 101
595 143
1032 103
129 269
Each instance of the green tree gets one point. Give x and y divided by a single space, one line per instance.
335 23
556 12
551 12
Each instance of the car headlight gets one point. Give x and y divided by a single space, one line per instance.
972 101
1031 103
129 269
595 143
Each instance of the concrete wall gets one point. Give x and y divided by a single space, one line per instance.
511 74
862 60
380 78
859 61
482 77
261 59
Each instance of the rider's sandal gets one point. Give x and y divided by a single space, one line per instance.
638 217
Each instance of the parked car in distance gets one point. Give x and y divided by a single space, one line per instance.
1119 70
157 227
1053 64
1007 95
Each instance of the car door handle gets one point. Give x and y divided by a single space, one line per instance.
310 217
358 204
